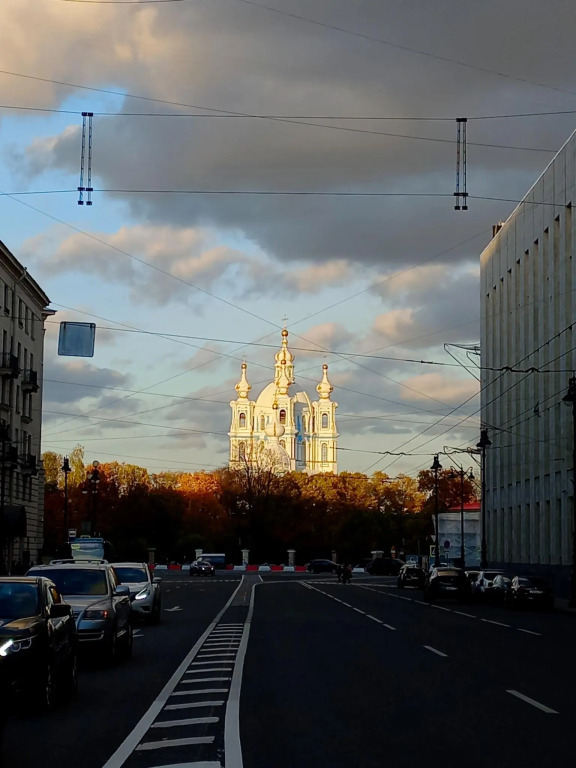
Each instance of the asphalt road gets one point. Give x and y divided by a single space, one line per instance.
290 670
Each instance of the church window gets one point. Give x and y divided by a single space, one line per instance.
324 420
241 450
283 444
262 421
242 419
324 452
282 416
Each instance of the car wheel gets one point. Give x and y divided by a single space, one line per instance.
70 685
156 616
127 642
45 693
111 650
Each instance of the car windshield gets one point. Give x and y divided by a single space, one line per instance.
131 574
79 581
17 601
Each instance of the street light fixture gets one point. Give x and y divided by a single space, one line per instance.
93 478
484 443
435 467
469 475
66 469
570 399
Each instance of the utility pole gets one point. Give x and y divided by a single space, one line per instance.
483 444
435 467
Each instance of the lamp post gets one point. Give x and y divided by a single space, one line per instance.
435 467
484 443
570 399
93 478
462 474
66 469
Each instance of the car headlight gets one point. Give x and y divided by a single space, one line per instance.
16 645
96 613
143 594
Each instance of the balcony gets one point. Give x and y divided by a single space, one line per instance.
28 464
29 381
9 367
8 455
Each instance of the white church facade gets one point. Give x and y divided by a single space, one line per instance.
299 433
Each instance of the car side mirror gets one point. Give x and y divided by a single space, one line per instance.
156 580
122 590
60 610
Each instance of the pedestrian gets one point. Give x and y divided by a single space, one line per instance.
346 574
339 571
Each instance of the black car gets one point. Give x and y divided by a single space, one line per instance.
410 575
530 592
38 640
449 583
202 568
384 566
322 566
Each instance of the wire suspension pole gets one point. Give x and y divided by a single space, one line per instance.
89 188
86 166
461 193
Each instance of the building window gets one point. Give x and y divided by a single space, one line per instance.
282 416
241 450
20 313
27 320
324 420
242 419
262 422
324 452
283 444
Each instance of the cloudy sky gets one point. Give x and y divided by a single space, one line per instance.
260 161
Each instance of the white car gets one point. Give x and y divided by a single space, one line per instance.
145 593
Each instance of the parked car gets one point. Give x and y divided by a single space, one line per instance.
101 604
322 566
483 586
449 583
145 591
202 568
500 586
410 575
38 641
530 591
384 566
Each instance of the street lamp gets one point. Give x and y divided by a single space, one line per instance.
93 478
435 467
468 474
484 443
570 399
66 469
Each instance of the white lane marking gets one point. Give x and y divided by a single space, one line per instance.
436 651
440 607
203 680
529 631
374 618
199 691
232 743
534 703
358 610
219 655
132 741
187 721
389 627
469 615
498 623
174 743
210 669
171 610
195 704
201 764
213 645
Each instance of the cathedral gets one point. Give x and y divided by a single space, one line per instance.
287 430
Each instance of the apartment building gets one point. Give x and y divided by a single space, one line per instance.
23 311
528 342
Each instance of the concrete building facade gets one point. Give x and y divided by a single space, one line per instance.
528 341
23 311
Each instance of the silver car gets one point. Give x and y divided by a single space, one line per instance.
145 594
101 604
